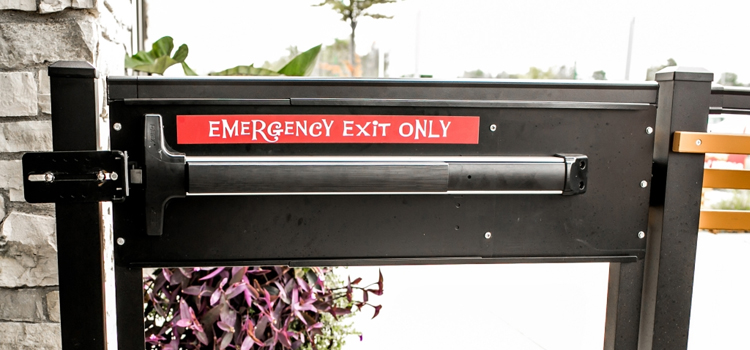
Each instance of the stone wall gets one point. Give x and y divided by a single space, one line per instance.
34 34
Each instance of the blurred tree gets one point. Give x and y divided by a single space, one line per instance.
651 72
350 11
562 72
476 74
729 79
599 75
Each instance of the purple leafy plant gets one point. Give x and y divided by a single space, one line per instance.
243 308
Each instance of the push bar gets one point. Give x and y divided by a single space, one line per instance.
169 174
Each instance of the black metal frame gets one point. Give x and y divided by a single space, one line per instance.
650 283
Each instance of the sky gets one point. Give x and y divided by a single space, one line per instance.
445 38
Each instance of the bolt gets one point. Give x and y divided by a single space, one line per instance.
100 176
49 177
488 235
114 176
117 126
493 127
649 130
120 241
641 234
644 184
698 142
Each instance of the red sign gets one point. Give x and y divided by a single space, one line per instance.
303 128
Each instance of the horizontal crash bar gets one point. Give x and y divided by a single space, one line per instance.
373 193
374 159
480 176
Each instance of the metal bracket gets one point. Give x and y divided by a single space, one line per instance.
80 176
576 173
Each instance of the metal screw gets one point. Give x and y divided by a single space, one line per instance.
698 142
117 126
114 176
493 127
488 235
644 184
641 234
120 241
649 130
49 177
100 176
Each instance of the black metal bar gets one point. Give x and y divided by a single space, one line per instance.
79 247
364 176
623 305
674 211
129 298
728 99
121 88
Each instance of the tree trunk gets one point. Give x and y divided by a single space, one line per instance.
352 51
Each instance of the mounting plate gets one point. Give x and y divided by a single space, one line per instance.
80 176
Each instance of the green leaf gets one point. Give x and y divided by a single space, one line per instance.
303 64
138 59
188 71
162 47
244 71
158 67
157 60
181 54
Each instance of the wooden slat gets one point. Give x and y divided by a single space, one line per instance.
735 220
686 142
720 178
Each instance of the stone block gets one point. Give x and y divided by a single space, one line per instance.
32 43
48 6
2 207
45 102
25 305
18 94
123 10
11 177
53 306
23 5
30 336
28 251
26 136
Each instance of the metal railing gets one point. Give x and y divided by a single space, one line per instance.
724 100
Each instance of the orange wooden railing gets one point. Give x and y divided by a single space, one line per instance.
697 142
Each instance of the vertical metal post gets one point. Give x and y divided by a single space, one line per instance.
130 327
683 104
623 305
79 249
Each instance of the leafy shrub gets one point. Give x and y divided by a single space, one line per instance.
249 308
740 200
158 60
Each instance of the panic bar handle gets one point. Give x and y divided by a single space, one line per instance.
169 174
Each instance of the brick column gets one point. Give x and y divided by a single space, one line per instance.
33 35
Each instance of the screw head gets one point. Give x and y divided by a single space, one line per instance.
49 177
698 142
641 234
488 235
100 176
114 176
493 127
120 241
117 126
644 184
649 130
